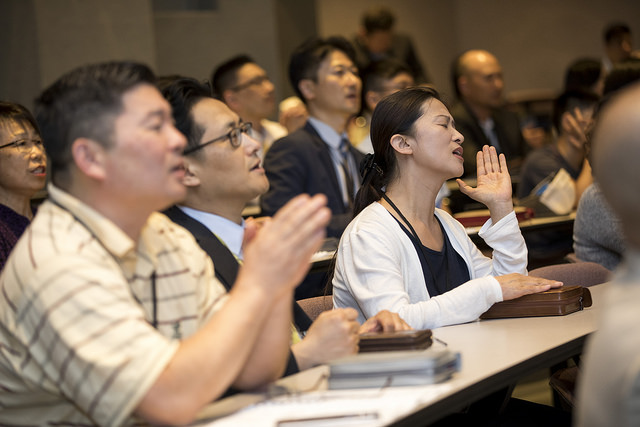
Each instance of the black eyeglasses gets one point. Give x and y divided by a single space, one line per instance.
234 136
25 146
256 81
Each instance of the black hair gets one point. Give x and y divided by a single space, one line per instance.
306 59
377 72
378 19
14 112
84 103
224 76
570 100
394 114
183 93
622 73
615 31
582 74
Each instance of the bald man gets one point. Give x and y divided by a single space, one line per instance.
479 113
609 389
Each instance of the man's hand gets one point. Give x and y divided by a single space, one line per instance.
333 334
252 226
277 258
384 321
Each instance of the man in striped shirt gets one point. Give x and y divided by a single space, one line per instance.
109 313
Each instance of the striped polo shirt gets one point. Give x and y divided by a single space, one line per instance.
76 312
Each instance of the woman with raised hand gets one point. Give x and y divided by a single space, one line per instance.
400 252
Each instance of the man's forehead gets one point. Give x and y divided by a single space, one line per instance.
212 113
338 58
251 69
142 100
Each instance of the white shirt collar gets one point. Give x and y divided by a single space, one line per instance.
327 133
230 233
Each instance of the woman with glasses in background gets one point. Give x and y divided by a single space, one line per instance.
23 168
400 252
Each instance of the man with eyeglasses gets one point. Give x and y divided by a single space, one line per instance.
247 90
319 157
222 173
111 313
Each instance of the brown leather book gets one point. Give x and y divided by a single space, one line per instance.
554 302
397 340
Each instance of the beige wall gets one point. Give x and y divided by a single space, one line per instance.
534 39
193 43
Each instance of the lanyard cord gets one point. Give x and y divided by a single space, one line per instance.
432 289
154 300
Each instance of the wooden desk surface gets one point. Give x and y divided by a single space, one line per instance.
495 353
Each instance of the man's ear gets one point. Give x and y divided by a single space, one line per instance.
229 98
400 144
89 157
307 88
463 82
191 178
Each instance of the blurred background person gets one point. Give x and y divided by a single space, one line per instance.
607 392
597 230
379 79
23 168
480 112
246 88
378 40
618 44
585 75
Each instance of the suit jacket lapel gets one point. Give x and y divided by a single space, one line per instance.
226 265
324 155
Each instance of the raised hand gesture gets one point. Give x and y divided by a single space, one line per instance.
493 186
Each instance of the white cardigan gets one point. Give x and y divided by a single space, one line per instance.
378 268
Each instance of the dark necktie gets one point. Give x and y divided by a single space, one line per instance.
346 168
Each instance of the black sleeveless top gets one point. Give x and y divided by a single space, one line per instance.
443 271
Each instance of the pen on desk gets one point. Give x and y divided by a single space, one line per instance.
440 341
323 420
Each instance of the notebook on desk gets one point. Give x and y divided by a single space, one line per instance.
393 368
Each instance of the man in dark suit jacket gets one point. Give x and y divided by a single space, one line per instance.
301 163
223 173
480 114
318 158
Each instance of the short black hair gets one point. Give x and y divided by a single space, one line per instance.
569 100
378 19
622 74
582 74
379 71
306 59
183 93
14 112
85 103
224 76
615 31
